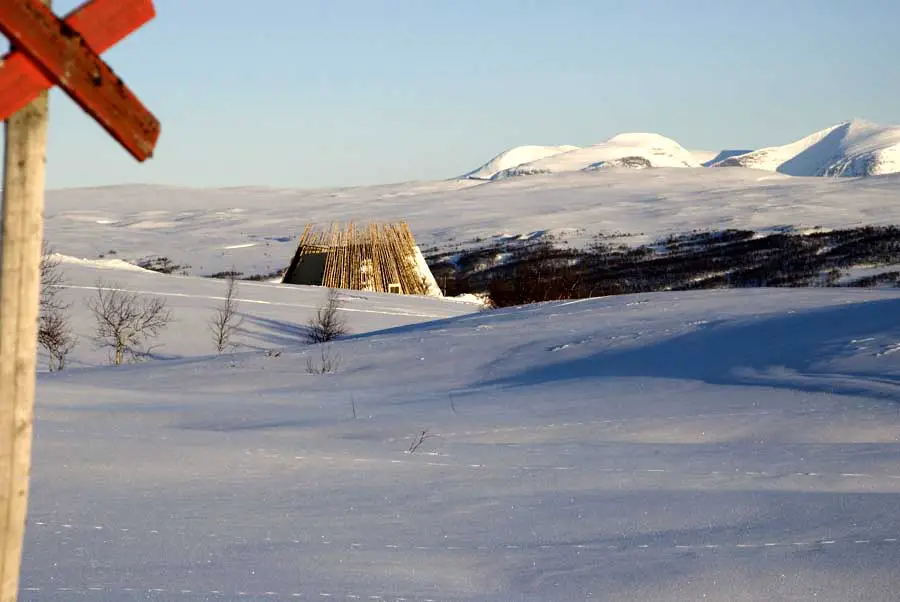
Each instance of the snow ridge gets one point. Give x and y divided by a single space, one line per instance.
853 148
515 157
635 150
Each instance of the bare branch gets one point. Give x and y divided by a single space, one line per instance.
126 321
55 333
226 321
52 279
327 362
417 441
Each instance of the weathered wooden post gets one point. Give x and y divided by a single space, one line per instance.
23 204
46 51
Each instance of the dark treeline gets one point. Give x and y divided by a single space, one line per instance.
519 272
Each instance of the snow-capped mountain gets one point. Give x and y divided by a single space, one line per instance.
514 157
852 148
635 150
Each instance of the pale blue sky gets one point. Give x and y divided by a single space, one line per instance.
313 93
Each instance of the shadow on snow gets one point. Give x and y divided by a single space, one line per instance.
795 351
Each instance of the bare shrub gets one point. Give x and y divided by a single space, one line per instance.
52 279
56 337
126 322
55 333
163 265
417 441
326 363
328 323
226 321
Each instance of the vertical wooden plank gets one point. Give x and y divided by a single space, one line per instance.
374 265
328 243
20 256
348 265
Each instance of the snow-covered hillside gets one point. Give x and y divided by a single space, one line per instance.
515 157
256 229
275 314
852 148
726 445
710 158
635 150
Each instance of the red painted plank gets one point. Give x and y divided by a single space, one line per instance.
102 23
65 58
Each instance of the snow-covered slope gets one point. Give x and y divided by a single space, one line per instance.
514 157
703 156
714 445
625 150
852 148
274 314
256 229
710 158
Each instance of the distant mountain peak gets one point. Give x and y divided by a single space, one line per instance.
625 150
855 147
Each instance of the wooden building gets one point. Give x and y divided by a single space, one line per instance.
372 257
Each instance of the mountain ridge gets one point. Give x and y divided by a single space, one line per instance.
852 148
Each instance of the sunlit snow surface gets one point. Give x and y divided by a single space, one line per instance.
256 229
718 445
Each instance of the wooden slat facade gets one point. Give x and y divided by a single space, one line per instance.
372 257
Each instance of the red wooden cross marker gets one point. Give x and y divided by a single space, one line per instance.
102 23
49 50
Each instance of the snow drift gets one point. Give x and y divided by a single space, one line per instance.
852 148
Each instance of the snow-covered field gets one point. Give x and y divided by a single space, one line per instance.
256 229
717 445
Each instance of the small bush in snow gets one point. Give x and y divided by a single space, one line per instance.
326 363
417 441
328 324
226 321
163 265
126 321
55 333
